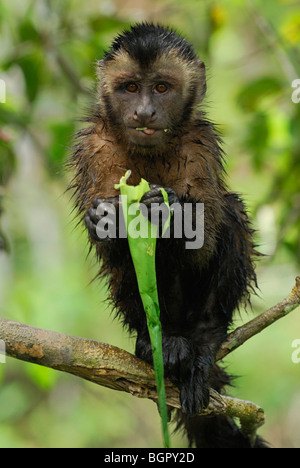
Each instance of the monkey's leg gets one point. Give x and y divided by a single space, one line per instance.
182 366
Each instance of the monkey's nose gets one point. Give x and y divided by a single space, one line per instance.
145 116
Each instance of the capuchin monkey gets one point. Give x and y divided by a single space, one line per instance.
146 119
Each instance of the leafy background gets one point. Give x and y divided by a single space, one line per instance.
47 56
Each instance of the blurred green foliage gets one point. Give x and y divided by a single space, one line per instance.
47 59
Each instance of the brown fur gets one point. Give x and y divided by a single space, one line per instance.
192 169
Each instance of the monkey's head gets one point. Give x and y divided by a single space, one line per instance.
151 82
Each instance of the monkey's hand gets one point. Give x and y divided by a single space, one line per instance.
101 219
189 372
155 196
153 205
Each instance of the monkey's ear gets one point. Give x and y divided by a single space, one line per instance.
202 80
99 68
201 64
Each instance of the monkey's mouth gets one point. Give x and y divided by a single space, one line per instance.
150 131
146 130
144 136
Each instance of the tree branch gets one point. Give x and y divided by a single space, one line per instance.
117 369
259 323
110 367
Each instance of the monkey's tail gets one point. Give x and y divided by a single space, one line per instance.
215 432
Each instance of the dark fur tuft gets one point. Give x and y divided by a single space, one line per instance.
145 42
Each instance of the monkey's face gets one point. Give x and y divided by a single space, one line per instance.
148 105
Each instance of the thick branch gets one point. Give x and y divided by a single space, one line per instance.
111 367
115 368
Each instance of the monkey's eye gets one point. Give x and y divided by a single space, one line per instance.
132 87
161 88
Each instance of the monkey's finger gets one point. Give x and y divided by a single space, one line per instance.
115 201
154 196
91 227
97 201
92 216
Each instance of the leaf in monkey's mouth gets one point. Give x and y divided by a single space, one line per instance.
147 131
